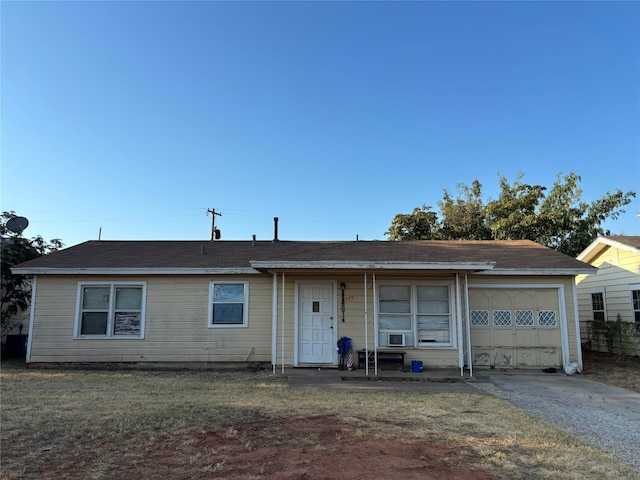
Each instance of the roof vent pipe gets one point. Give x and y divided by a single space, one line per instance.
275 229
253 241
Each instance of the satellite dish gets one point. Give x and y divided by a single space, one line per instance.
17 224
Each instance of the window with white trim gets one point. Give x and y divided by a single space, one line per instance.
110 310
422 313
547 318
635 302
480 318
597 305
228 304
502 318
524 318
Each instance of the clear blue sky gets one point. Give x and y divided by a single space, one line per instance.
136 117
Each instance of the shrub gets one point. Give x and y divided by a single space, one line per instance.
616 338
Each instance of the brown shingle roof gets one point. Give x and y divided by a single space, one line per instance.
96 255
632 241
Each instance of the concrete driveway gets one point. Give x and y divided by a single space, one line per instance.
572 391
604 416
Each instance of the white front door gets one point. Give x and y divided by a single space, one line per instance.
316 324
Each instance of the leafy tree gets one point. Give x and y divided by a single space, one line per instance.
513 216
586 229
16 289
464 217
559 214
555 217
421 224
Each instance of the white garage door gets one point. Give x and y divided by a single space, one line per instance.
515 327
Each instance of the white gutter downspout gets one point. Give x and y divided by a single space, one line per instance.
274 323
375 322
366 333
459 317
466 312
283 323
32 316
577 320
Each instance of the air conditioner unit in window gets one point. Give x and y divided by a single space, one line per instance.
396 340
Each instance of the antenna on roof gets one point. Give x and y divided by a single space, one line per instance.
215 233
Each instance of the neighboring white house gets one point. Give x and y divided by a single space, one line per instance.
614 290
445 303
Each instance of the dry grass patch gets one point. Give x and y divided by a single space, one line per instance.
205 424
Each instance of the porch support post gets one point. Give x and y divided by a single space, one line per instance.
375 323
366 330
282 332
274 323
459 328
468 323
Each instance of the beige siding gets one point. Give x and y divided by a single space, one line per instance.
175 331
617 269
176 320
285 335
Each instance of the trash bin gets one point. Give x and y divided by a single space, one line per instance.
416 366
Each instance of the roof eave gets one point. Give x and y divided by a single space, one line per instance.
540 271
357 265
134 271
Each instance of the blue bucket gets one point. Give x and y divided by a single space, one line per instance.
416 366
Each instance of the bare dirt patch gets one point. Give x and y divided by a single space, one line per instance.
315 448
614 370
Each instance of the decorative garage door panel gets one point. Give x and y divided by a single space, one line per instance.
515 327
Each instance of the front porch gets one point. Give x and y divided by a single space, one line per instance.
424 319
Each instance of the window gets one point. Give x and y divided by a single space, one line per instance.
635 302
524 318
110 310
547 318
480 318
228 304
421 312
597 305
502 318
433 313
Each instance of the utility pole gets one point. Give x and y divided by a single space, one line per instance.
215 234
